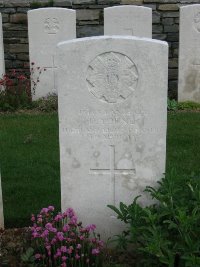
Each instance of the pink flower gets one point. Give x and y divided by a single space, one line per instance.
82 237
58 217
44 210
63 264
63 249
33 218
60 236
73 220
51 208
79 246
49 226
64 258
66 228
70 249
90 227
95 251
45 233
35 235
77 257
38 256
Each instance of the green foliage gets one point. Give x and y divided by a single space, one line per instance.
14 91
189 105
46 104
28 257
165 233
172 105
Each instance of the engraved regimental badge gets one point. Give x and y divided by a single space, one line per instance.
112 77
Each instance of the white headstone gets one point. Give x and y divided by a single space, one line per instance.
2 63
1 207
128 20
47 27
112 121
189 54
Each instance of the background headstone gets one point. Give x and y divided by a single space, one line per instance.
2 63
47 27
112 137
189 54
1 207
128 20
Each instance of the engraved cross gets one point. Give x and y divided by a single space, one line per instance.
54 68
112 171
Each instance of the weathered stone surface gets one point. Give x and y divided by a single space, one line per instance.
18 18
87 14
47 27
1 207
171 28
173 73
156 17
62 3
168 7
18 48
2 64
157 28
168 21
172 37
78 2
16 3
88 31
158 36
128 20
170 15
104 113
173 62
131 2
189 54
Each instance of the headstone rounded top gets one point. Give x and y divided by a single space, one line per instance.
128 7
50 9
190 6
111 37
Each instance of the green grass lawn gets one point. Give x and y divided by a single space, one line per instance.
29 160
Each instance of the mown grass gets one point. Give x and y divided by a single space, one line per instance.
29 160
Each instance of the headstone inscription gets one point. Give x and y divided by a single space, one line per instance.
128 20
47 27
2 63
189 54
1 207
112 137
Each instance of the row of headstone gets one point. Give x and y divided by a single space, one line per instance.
47 27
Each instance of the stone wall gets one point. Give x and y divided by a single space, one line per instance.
90 23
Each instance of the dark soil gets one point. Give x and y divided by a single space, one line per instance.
13 243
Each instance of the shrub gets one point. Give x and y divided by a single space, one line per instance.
14 91
46 104
59 240
167 232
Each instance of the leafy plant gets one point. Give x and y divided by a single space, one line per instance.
165 233
59 240
172 105
188 105
46 104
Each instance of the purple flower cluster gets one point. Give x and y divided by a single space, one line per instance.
60 240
